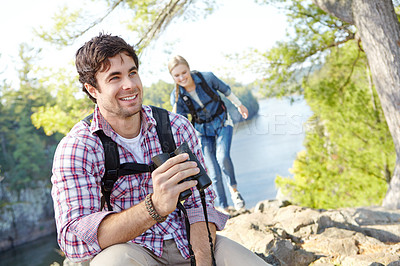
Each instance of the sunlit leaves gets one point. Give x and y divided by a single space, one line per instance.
65 28
311 33
350 152
158 94
147 19
69 107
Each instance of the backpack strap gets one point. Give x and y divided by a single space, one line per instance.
112 165
213 95
163 128
113 168
191 108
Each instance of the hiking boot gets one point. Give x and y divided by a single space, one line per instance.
238 201
224 211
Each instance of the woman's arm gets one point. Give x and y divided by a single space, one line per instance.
236 102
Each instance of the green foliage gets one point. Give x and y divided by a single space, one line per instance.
148 19
145 18
25 153
64 28
68 106
312 33
158 95
350 152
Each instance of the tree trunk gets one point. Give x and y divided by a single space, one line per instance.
379 31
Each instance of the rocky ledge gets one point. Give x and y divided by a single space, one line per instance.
284 234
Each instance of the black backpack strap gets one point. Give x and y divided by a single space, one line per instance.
213 95
191 108
112 165
111 158
163 128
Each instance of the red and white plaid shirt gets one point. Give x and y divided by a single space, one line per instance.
78 168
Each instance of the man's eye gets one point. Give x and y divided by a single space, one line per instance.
114 78
132 73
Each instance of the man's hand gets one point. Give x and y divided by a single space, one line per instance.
130 223
166 177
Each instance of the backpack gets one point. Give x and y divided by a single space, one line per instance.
113 168
214 97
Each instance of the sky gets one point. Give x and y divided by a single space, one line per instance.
235 26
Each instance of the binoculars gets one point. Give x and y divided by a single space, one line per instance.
203 180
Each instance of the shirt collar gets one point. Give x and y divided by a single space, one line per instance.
100 123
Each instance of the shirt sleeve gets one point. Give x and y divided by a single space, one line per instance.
216 83
76 196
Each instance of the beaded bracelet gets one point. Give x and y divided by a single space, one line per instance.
153 213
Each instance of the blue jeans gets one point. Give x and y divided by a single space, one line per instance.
216 150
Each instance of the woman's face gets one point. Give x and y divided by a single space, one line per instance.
181 75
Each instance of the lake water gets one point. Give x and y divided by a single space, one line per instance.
262 148
266 146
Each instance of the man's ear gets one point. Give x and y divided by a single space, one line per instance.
91 90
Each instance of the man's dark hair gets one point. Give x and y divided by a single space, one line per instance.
94 56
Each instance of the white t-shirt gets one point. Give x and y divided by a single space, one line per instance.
134 147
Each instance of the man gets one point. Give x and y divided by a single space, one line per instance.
145 227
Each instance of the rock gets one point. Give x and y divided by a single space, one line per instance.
285 234
280 233
25 215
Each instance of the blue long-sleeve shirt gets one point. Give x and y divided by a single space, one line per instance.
210 128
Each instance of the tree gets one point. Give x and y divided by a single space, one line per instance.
349 152
69 104
319 26
25 152
379 31
158 94
148 20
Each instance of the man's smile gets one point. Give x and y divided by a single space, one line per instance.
129 98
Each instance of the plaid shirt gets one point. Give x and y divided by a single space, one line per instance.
78 168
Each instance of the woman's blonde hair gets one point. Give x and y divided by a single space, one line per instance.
175 61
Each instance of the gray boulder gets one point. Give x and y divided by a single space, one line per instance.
285 234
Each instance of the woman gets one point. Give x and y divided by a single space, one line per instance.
196 94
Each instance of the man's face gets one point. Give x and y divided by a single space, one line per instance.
181 75
119 94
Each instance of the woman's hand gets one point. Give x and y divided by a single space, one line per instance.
243 111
